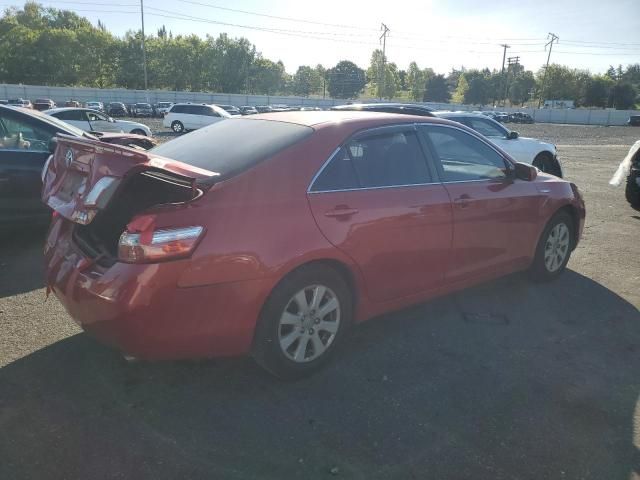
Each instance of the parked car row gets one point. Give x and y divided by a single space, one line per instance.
504 117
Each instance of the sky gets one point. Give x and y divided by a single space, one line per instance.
441 34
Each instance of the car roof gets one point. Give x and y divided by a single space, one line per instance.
324 118
380 104
458 114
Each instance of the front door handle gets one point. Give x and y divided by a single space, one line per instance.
341 211
462 201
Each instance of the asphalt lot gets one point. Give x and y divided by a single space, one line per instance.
508 380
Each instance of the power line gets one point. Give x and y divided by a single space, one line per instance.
277 17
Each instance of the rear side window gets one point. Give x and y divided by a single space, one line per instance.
337 175
384 160
232 146
462 156
178 109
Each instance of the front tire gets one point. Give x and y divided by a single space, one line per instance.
302 322
632 189
137 131
545 163
554 248
177 126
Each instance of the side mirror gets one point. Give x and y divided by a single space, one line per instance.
53 144
526 172
512 135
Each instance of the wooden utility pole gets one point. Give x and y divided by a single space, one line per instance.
511 61
383 37
554 38
144 50
504 55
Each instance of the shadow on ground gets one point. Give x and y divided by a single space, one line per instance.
508 380
21 261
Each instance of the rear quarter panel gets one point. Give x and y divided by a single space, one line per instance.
259 223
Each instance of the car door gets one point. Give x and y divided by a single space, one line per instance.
376 199
494 214
100 123
23 152
74 117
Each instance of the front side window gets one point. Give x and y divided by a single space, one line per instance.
95 117
462 156
16 134
208 111
487 127
383 160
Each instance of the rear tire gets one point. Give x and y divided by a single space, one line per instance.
554 248
177 126
137 131
632 189
302 322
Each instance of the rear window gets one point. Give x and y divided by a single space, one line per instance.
232 146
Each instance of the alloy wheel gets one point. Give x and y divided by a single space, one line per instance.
556 247
309 323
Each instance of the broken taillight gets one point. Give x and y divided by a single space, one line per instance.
159 245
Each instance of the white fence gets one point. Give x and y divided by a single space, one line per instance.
61 94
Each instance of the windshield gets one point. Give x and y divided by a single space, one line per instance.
231 146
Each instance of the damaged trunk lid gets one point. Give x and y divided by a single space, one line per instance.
83 176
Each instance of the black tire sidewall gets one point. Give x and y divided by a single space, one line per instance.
632 189
266 346
137 131
538 269
544 160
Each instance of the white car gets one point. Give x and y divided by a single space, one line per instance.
191 116
535 152
163 107
95 106
91 120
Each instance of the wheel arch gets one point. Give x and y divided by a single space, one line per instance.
547 154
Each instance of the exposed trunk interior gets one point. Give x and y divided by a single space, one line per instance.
138 193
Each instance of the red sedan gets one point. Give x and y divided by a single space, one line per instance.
271 234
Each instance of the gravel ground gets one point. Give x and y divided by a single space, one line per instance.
508 380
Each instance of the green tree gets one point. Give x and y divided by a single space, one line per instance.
306 81
624 96
346 80
436 89
596 91
520 88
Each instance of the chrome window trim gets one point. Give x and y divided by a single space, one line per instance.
375 188
414 127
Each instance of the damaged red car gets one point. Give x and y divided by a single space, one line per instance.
272 234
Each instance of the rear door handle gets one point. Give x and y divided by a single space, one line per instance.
462 201
341 211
